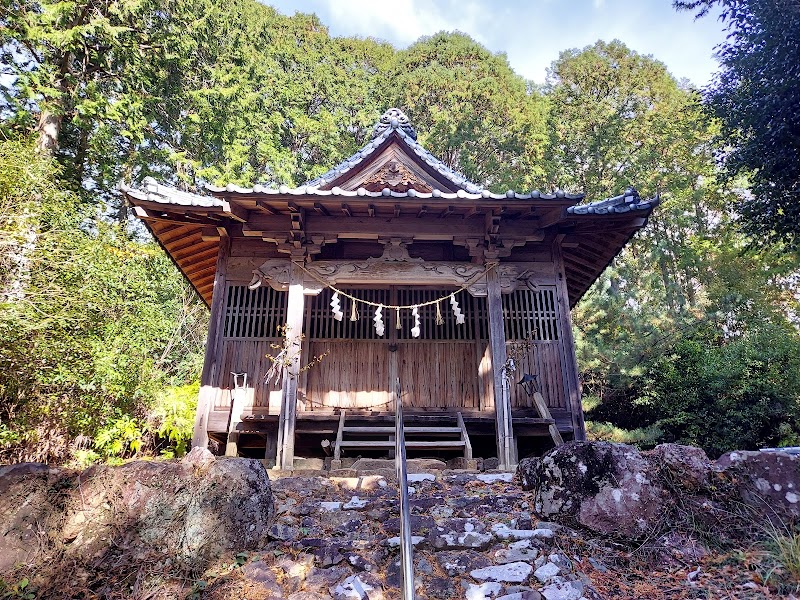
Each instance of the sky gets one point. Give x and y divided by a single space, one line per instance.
532 33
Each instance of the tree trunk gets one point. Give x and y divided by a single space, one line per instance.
48 129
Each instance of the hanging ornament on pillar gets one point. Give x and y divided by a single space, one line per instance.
353 311
336 307
380 328
439 318
397 323
415 330
456 310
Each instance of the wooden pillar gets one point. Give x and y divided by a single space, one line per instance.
294 329
497 347
209 383
572 383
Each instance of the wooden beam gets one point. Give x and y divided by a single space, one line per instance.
235 212
544 412
264 207
502 398
211 363
346 210
371 210
422 211
447 212
321 209
397 210
567 343
212 234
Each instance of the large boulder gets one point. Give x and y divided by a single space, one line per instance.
608 488
189 511
768 482
26 509
686 467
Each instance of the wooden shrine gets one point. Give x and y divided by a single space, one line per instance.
390 266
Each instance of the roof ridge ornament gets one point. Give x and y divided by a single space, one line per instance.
394 118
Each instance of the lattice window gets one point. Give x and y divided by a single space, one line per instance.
255 313
531 314
449 330
322 325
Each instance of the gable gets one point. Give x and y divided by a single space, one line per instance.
393 168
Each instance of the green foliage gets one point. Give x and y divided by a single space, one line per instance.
171 418
724 393
755 97
471 110
92 321
22 590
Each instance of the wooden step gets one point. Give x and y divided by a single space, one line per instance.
368 429
408 444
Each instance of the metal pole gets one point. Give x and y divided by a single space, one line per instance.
406 547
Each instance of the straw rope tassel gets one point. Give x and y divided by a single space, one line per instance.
439 318
353 310
397 323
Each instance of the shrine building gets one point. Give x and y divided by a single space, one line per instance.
389 274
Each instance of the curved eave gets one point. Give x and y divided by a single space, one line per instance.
592 245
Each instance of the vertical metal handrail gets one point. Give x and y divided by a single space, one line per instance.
406 546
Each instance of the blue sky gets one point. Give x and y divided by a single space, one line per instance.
532 32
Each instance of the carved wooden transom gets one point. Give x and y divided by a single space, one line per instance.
397 177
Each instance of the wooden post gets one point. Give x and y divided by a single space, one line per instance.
294 328
572 382
209 383
497 346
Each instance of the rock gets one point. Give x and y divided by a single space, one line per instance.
494 477
191 510
355 503
516 572
458 563
608 488
526 595
461 533
490 463
413 465
681 548
502 531
483 591
561 589
518 551
546 572
25 508
440 587
686 466
767 481
308 596
361 587
259 574
283 532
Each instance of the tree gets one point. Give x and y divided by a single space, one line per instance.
471 110
755 96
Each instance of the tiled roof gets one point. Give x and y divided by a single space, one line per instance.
395 121
163 194
623 203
